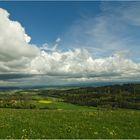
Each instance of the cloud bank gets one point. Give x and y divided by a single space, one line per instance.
18 56
15 50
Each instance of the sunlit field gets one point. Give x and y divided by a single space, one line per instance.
29 115
25 123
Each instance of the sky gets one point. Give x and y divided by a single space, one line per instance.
65 42
45 21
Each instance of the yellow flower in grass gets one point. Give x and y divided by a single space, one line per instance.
45 101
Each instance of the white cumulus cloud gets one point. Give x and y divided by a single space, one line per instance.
58 39
15 50
17 55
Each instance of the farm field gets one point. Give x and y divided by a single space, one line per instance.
66 114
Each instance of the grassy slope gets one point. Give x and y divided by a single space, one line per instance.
59 104
69 123
64 120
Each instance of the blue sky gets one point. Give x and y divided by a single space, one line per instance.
65 42
45 21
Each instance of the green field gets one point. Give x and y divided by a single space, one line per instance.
27 123
70 123
52 117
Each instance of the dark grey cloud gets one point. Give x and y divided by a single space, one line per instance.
14 76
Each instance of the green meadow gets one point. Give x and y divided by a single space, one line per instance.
33 123
29 115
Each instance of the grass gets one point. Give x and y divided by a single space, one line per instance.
45 101
58 104
27 123
53 118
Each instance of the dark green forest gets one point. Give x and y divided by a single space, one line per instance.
114 96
